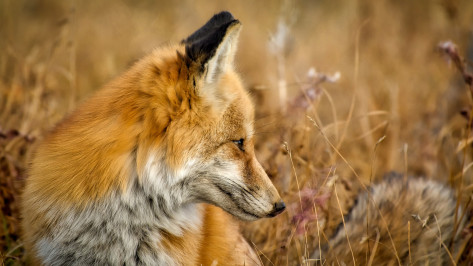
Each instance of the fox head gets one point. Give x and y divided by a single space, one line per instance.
179 122
201 122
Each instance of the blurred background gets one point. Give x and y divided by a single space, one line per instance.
346 91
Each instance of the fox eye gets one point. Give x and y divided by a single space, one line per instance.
240 144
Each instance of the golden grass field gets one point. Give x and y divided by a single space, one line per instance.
398 103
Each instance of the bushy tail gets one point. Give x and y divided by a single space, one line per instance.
399 221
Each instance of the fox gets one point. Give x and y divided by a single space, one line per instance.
399 221
156 168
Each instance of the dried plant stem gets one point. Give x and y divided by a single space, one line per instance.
306 252
375 247
282 84
318 234
355 84
334 111
449 253
289 240
344 225
336 150
460 188
383 124
443 245
450 49
409 240
404 149
440 231
261 252
373 160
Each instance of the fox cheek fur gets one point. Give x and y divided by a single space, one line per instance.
240 186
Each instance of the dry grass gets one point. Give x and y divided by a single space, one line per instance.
397 106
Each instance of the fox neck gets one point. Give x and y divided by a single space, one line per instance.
163 196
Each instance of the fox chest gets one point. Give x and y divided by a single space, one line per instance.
121 233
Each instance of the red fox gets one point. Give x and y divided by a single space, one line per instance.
398 222
126 178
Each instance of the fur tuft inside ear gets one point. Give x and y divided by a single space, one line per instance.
211 49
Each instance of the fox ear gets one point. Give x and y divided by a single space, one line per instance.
213 46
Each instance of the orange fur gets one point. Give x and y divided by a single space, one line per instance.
222 240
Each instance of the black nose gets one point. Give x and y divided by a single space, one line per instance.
278 208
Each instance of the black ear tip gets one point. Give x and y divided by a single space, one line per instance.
223 16
217 21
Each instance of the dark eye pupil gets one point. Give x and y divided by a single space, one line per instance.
239 143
